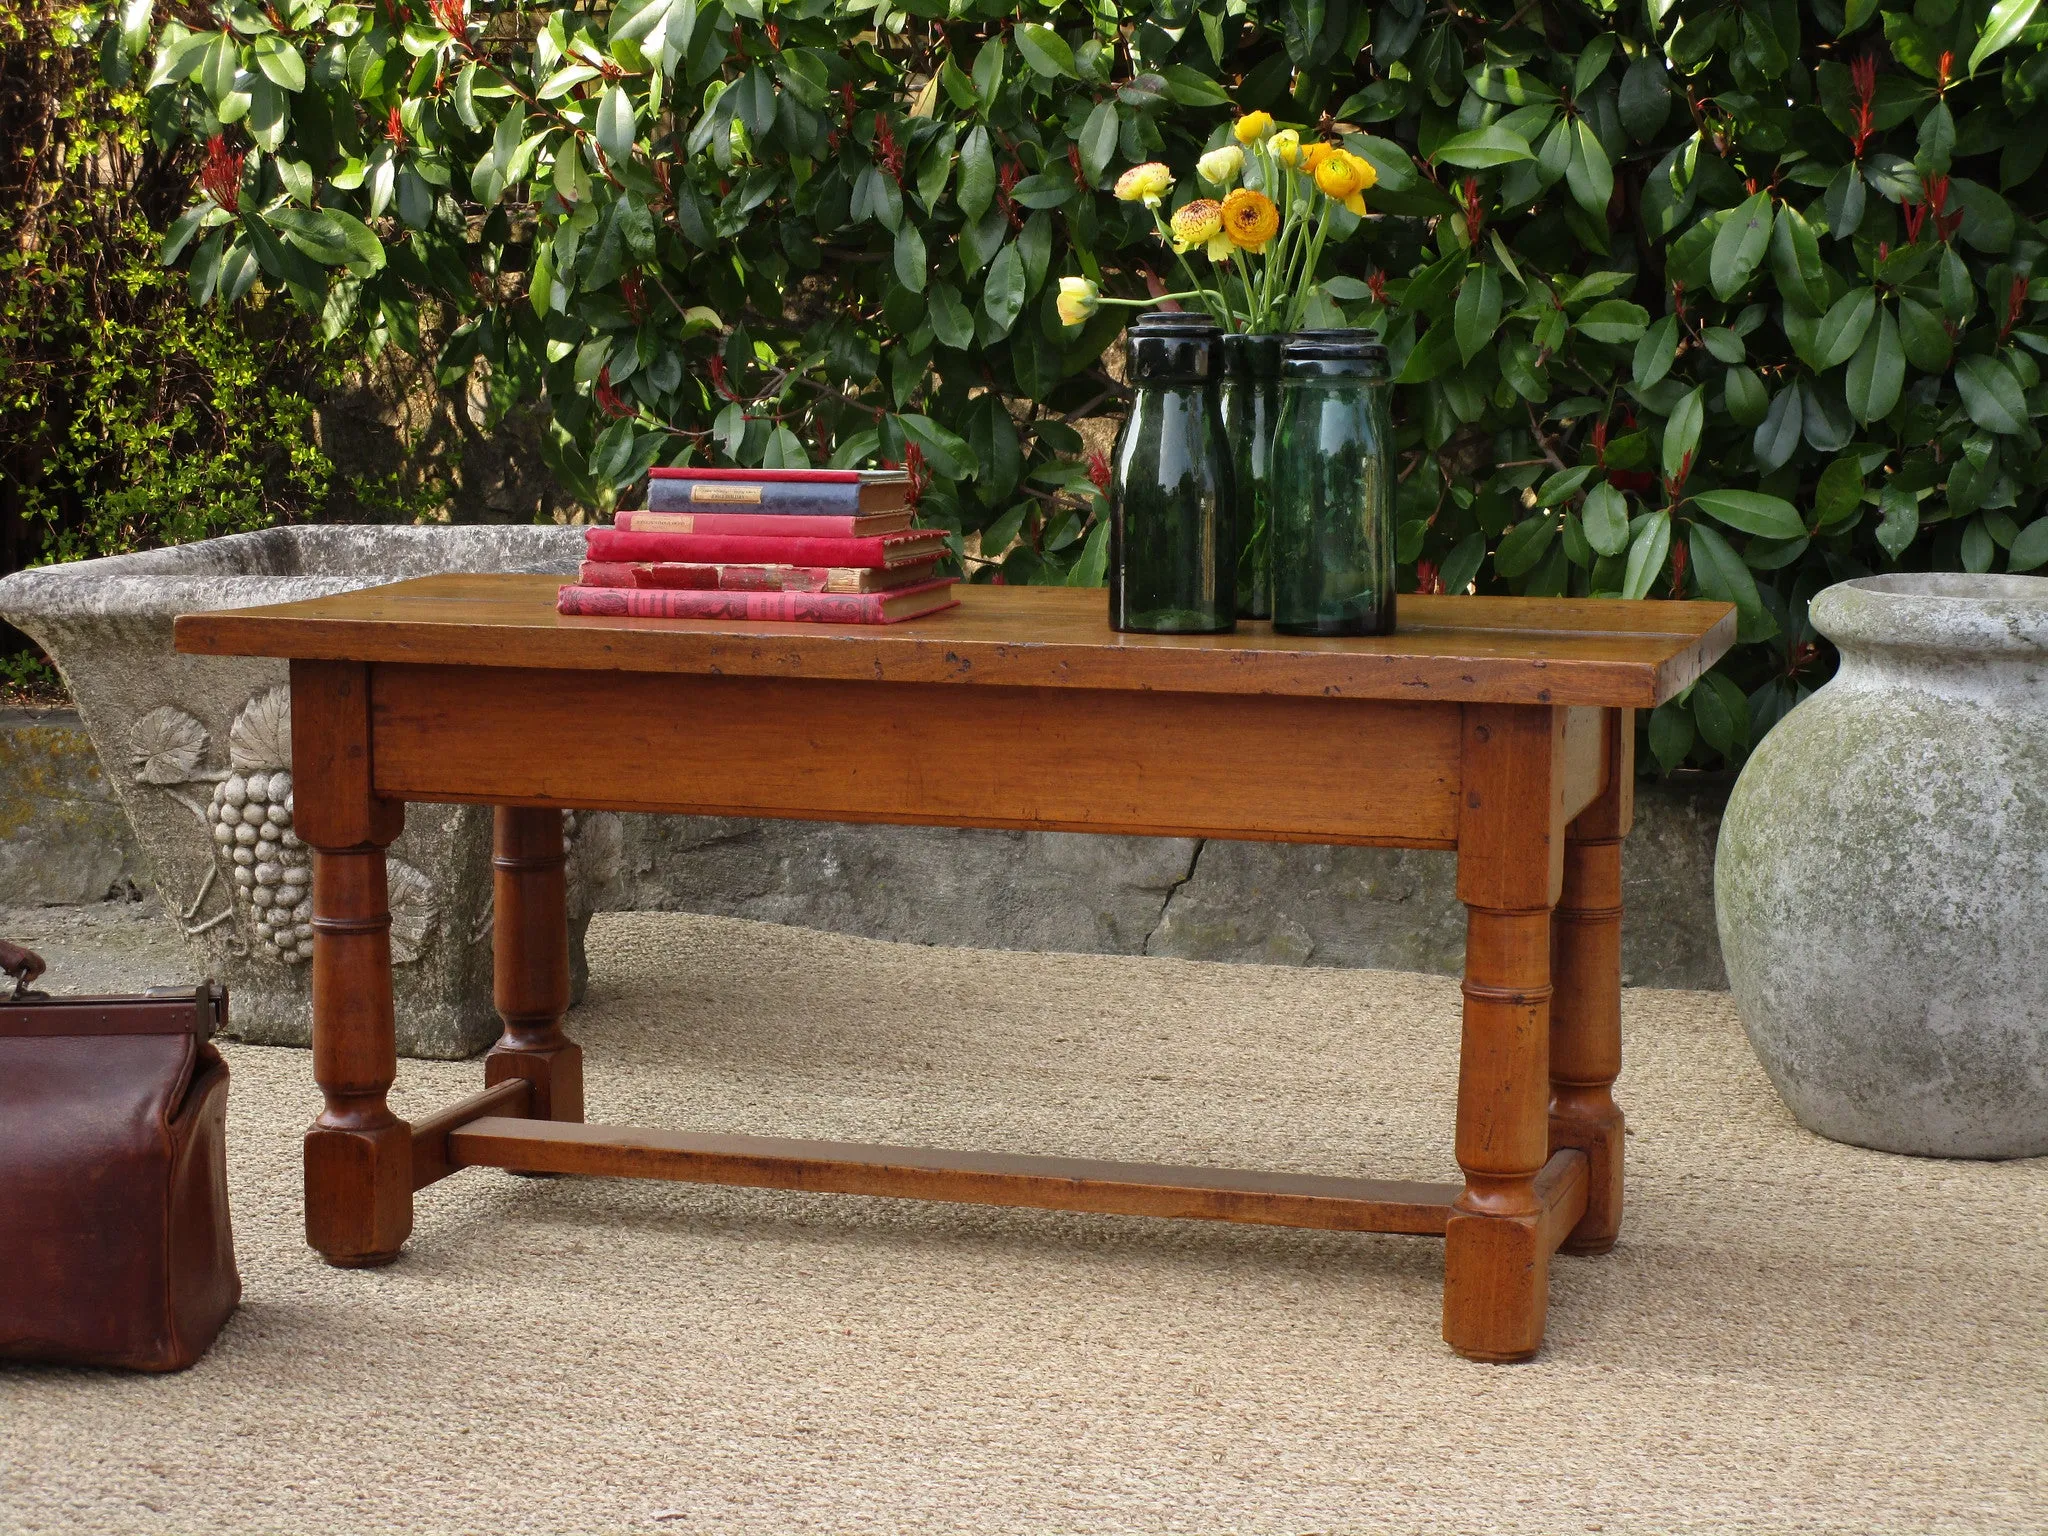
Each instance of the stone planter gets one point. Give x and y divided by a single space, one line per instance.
198 749
1882 879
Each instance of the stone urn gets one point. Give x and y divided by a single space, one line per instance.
198 749
1882 879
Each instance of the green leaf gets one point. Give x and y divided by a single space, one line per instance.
1524 545
1778 438
1842 327
1796 261
1590 174
179 235
1614 320
1484 147
1839 492
1462 564
1901 525
1189 87
951 322
1740 247
909 257
1743 393
1656 352
1478 310
1991 394
2008 19
1923 337
1977 549
947 452
280 61
1672 734
1646 552
1044 50
1753 512
1682 433
1098 141
1605 519
977 187
1724 578
1003 293
615 125
2030 549
1722 712
1645 100
1877 372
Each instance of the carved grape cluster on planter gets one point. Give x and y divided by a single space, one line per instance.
249 816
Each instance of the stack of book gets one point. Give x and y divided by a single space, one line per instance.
825 546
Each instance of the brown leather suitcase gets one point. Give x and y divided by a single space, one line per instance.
114 1239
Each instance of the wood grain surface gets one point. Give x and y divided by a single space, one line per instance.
1182 765
985 1178
1458 649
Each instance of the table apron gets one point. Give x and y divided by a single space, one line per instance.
1258 767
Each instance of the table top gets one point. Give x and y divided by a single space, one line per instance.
1515 650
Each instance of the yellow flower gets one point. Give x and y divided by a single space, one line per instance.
1343 176
1220 249
1221 167
1250 219
1254 126
1146 184
1079 299
1197 223
1313 155
1286 146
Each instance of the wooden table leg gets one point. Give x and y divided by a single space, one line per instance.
358 1154
1585 1011
530 945
1510 848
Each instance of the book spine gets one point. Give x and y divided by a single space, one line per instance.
772 525
719 549
615 573
766 476
783 607
804 500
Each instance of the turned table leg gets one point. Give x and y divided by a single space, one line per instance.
530 946
358 1154
1496 1261
1585 1011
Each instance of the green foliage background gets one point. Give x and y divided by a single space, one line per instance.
1695 297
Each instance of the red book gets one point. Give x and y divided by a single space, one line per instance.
769 607
885 550
781 525
813 476
750 578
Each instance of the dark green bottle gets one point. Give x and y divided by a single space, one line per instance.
1333 488
1172 560
1251 403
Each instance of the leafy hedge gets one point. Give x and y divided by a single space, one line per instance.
1697 298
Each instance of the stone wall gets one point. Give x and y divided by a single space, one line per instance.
63 841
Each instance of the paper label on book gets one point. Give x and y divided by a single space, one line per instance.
706 492
663 522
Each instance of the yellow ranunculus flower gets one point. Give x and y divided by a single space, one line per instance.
1286 146
1079 299
1146 184
1343 176
1250 219
1221 167
1220 249
1313 155
1254 126
1196 223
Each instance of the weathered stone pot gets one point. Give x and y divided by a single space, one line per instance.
1882 878
199 751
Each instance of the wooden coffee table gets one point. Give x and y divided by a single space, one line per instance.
1499 727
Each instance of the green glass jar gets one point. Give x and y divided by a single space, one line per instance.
1333 487
1251 403
1172 559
